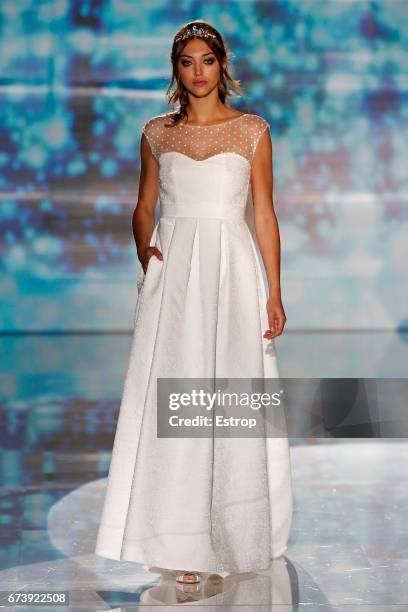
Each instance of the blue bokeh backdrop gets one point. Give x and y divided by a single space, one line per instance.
78 81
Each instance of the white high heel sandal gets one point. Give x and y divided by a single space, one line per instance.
195 577
189 577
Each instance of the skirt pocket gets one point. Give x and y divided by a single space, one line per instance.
153 261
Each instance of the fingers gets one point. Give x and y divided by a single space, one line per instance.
276 325
158 253
150 252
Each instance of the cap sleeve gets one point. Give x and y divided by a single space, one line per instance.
259 126
150 130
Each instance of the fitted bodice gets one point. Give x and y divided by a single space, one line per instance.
204 171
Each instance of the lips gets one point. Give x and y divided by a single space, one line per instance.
199 82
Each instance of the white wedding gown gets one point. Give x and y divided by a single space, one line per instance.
205 504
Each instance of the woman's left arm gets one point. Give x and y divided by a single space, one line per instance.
267 231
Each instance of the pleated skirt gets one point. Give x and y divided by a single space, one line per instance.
207 504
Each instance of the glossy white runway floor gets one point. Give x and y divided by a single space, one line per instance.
348 548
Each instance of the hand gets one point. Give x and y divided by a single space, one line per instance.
147 253
276 317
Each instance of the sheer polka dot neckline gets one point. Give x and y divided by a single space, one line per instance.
212 124
238 135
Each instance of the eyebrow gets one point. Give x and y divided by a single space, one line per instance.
202 55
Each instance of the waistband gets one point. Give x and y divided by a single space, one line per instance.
205 210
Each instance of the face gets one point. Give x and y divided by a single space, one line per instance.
198 68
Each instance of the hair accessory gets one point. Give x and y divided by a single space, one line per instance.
194 31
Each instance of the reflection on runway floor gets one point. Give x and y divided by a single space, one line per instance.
348 548
348 545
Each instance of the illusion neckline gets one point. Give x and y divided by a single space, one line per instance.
213 124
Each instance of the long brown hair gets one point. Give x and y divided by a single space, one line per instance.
220 49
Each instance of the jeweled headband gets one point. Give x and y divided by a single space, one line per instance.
194 31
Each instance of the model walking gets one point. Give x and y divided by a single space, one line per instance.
200 504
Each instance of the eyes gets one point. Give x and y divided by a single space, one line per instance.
207 61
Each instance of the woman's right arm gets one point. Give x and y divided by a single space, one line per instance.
143 218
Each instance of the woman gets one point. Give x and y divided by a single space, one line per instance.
200 504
